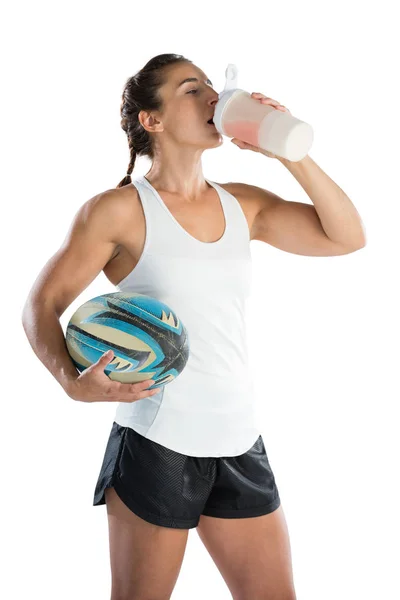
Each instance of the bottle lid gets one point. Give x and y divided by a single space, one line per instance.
231 77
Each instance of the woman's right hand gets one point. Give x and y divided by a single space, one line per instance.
93 385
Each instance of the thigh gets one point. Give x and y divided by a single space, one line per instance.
252 554
243 527
145 558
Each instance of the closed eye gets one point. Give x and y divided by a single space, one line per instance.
195 90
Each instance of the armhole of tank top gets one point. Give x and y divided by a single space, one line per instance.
241 211
147 236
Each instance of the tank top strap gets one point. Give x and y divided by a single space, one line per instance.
234 211
163 228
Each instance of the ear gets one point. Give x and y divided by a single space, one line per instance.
149 121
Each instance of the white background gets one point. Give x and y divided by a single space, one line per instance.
323 332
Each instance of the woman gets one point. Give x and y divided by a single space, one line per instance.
188 454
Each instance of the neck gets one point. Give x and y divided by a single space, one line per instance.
183 180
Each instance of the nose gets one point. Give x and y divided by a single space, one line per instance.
214 99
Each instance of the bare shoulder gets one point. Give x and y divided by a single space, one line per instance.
253 200
250 197
255 197
123 200
117 205
120 208
236 189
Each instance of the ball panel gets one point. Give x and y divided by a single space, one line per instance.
148 339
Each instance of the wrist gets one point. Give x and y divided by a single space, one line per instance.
290 164
284 161
70 386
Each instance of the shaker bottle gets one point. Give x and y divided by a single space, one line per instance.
239 115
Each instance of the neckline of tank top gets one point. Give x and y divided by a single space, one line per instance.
142 179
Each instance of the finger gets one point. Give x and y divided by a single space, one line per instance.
138 395
105 359
240 144
141 385
133 389
270 101
263 97
130 392
277 106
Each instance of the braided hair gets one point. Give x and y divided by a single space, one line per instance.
141 92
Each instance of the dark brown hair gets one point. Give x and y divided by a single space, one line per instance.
141 92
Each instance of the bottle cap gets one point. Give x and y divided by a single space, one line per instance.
231 77
230 89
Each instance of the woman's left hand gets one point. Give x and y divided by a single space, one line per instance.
264 100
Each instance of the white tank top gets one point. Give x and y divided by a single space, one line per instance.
209 409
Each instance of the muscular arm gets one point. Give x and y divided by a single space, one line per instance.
90 243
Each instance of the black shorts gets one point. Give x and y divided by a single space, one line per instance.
171 489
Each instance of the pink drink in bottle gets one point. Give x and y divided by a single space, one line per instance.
239 115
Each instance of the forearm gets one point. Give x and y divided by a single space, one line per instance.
44 332
338 215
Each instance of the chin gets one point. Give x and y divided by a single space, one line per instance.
216 140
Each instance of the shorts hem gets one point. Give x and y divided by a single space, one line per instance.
239 513
150 517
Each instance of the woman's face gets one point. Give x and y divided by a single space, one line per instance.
188 105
